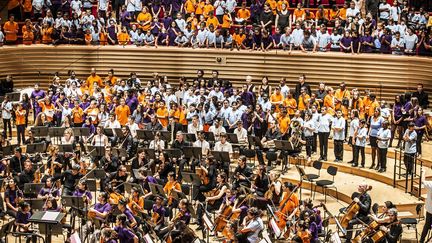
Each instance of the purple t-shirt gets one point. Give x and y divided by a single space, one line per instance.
125 235
397 111
22 218
102 208
419 122
386 48
346 41
80 193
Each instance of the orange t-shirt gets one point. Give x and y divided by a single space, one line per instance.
162 112
290 102
207 9
20 117
94 79
328 102
273 5
88 38
48 110
298 13
9 26
103 38
189 6
123 38
46 36
243 13
276 98
239 38
200 8
144 17
323 15
334 14
302 103
226 23
193 21
182 118
28 35
284 123
13 4
122 113
310 16
77 115
214 21
342 13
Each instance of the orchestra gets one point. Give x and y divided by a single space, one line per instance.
167 179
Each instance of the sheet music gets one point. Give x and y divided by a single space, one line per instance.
275 228
50 216
75 238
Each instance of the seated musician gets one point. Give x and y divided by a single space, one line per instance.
180 143
108 235
68 137
261 183
251 227
124 209
126 142
100 211
288 206
302 232
22 221
158 213
224 146
182 218
214 201
157 143
51 205
109 162
173 125
208 168
364 202
139 161
48 190
275 187
171 185
390 225
165 167
242 173
202 143
100 139
27 175
124 233
217 127
30 138
227 201
154 124
69 178
272 134
116 179
12 196
16 163
82 191
241 133
136 201
55 158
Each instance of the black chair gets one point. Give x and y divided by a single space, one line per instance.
271 157
250 154
325 184
185 189
312 177
412 222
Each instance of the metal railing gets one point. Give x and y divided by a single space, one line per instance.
412 179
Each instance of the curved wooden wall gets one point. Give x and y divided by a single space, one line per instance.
385 75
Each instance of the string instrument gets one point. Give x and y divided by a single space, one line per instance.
37 175
270 192
115 197
91 214
284 210
171 225
352 210
205 180
229 233
136 208
211 193
371 227
155 218
222 219
170 198
378 235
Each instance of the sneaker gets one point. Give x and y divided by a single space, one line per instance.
372 166
361 166
354 165
350 162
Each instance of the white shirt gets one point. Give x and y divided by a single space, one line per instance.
217 131
230 5
156 145
204 145
114 124
194 129
298 36
223 147
219 6
383 134
410 41
6 108
76 6
103 5
394 13
384 14
256 226
323 39
352 12
340 124
428 203
354 124
309 128
241 134
324 122
361 137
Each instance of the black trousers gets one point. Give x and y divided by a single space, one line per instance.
309 145
21 133
323 141
357 151
409 162
338 149
419 142
426 227
382 161
315 142
7 125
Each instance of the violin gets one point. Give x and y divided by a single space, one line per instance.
352 210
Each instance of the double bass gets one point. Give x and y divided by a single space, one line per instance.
352 210
284 209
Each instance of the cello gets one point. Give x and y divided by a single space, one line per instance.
352 210
284 209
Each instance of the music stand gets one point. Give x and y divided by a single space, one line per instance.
96 151
192 179
97 174
35 148
137 174
65 148
36 203
178 195
209 225
146 135
284 146
190 137
118 132
49 219
209 136
256 141
109 132
232 138
128 187
33 188
165 135
222 156
39 131
192 152
14 96
6 228
8 150
56 132
157 189
119 152
173 153
81 131
150 153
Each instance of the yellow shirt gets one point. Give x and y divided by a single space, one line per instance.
284 124
214 21
94 79
302 103
290 104
243 14
122 113
142 18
